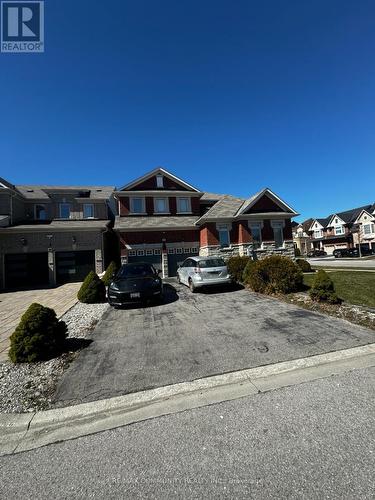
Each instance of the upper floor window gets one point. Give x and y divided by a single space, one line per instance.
65 210
368 228
183 205
339 230
40 212
278 235
88 211
256 233
137 205
159 181
224 235
318 233
161 205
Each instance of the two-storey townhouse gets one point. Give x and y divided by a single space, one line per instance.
163 219
52 234
343 229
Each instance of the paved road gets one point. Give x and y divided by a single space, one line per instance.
343 263
198 335
313 441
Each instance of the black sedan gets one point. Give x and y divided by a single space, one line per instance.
138 282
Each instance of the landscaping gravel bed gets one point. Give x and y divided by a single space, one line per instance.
28 387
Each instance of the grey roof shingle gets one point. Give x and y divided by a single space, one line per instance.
226 207
211 197
34 192
348 216
61 224
156 222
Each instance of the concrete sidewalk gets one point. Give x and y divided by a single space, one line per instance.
14 304
21 432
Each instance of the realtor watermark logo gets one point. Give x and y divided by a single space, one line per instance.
22 26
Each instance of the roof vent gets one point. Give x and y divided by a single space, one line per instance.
30 190
99 190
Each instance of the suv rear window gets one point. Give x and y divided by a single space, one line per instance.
211 263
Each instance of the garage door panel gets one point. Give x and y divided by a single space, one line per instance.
26 270
74 266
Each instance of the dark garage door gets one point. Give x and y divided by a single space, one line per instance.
26 270
152 257
176 257
74 266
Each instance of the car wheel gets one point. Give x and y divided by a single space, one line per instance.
192 286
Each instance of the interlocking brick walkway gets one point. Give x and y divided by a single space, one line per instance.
14 304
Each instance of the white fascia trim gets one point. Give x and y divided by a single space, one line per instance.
330 223
312 228
158 170
276 198
360 215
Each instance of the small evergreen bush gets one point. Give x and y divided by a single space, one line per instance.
275 274
297 252
247 270
322 289
92 290
236 266
304 265
39 336
108 275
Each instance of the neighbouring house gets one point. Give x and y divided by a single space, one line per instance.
55 234
52 234
301 236
163 219
343 229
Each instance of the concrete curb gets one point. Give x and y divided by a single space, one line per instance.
21 432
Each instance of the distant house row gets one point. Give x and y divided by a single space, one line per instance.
56 234
349 229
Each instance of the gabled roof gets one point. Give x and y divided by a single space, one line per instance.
348 216
156 171
265 192
226 208
368 212
334 216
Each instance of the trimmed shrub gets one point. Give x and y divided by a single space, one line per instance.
236 266
275 274
92 290
297 252
108 275
322 289
38 337
304 265
247 270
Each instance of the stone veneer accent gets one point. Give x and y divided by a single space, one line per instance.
268 248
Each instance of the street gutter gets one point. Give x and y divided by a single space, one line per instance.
22 432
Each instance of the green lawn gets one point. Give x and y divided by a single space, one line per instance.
355 287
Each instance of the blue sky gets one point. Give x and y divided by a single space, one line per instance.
230 95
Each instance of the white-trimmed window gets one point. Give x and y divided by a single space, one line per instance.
132 253
159 181
88 211
137 205
171 251
368 229
278 233
161 205
186 250
64 210
194 250
179 250
40 212
318 233
183 205
157 251
149 251
256 233
140 253
224 234
339 230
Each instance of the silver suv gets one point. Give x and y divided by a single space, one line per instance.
196 272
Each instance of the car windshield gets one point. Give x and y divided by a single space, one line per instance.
211 263
136 271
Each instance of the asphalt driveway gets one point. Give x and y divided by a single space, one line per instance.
198 335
